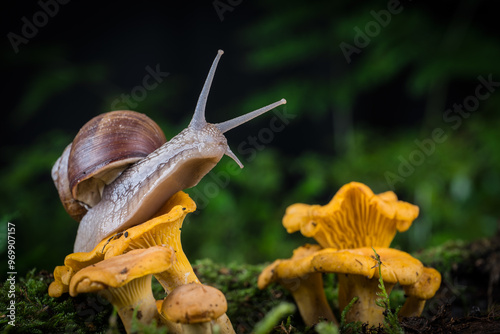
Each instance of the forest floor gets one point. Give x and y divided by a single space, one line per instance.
468 300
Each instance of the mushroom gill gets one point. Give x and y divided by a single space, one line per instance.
355 217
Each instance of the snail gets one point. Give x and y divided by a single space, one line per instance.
134 192
102 149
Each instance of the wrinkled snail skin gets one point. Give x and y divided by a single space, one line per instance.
178 164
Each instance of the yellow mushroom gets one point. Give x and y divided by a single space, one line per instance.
72 264
125 280
347 228
165 229
355 217
195 306
60 285
305 285
162 230
358 274
172 327
419 292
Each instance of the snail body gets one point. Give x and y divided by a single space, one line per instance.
140 190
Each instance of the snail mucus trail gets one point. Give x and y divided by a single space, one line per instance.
138 193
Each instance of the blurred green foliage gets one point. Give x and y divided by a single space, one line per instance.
352 121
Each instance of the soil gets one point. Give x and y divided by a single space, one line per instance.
469 298
444 322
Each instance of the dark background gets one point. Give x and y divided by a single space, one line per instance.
353 121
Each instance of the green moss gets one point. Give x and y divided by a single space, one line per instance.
352 327
446 256
36 312
247 304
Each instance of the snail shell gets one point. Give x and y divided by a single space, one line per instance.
60 177
102 149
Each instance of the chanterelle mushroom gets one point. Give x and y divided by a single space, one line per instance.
125 280
358 276
72 264
159 231
419 292
355 217
347 228
62 276
195 306
165 229
303 282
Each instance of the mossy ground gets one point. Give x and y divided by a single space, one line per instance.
467 302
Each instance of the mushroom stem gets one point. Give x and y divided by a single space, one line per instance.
172 327
127 281
200 328
310 298
412 307
304 281
181 271
417 293
365 309
137 294
225 325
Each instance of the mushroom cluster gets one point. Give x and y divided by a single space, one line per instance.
348 230
121 268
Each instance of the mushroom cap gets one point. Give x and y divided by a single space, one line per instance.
119 270
194 303
73 263
80 260
267 275
426 287
297 266
354 218
177 207
62 277
397 266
